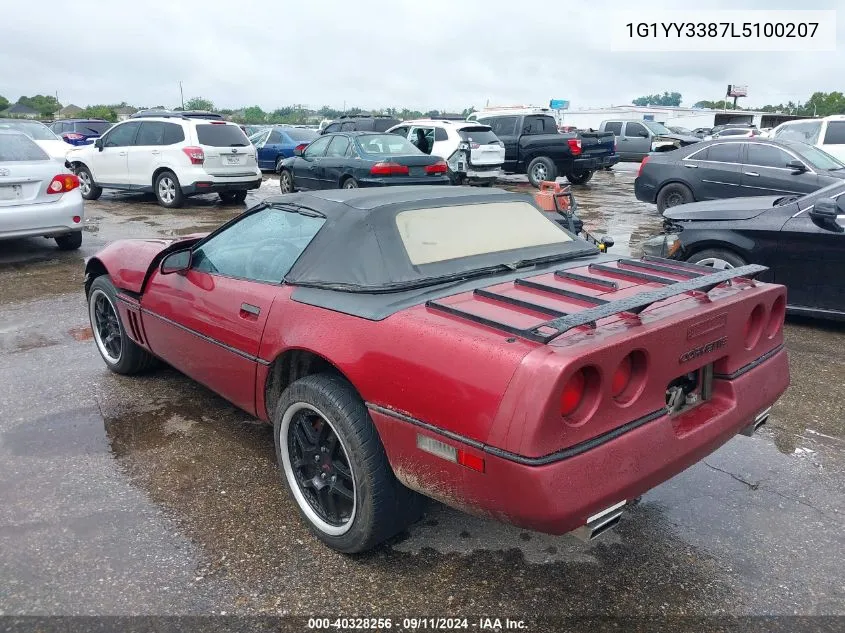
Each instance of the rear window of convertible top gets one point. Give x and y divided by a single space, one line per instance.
442 233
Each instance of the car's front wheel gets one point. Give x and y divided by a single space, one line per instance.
168 190
286 182
335 467
121 354
69 242
233 197
87 188
718 258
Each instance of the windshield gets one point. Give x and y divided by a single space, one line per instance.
657 128
386 144
818 158
34 130
442 233
831 191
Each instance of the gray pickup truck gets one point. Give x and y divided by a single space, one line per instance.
635 139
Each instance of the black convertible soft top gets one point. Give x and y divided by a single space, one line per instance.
359 248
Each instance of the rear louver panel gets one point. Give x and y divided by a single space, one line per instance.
602 277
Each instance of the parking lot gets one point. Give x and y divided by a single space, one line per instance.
151 495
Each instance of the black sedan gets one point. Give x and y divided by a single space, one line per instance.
800 238
348 160
727 168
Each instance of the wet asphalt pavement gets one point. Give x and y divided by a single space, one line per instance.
151 495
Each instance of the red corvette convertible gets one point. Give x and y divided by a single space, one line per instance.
452 342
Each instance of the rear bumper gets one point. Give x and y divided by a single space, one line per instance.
393 181
48 219
588 163
483 173
645 191
218 185
560 496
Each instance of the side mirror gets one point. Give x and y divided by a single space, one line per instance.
643 134
824 214
99 144
178 262
299 150
797 167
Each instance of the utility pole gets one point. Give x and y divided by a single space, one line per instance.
182 95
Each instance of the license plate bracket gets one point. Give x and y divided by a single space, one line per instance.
232 160
11 192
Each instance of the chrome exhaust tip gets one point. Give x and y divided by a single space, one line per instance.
759 420
599 523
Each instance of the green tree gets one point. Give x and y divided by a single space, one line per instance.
254 115
825 104
47 105
4 103
199 103
666 99
99 112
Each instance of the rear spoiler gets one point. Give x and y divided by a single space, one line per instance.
702 279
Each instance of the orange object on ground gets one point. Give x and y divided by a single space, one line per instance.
552 197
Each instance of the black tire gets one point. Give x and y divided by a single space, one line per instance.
233 197
87 188
349 183
455 178
486 183
168 190
130 358
541 169
719 258
69 242
381 505
286 182
672 195
580 177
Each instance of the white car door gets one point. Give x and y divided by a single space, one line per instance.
110 164
145 154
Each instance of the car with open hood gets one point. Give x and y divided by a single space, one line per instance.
447 342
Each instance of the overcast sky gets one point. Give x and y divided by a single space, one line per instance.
420 54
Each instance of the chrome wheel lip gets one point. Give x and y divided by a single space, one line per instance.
293 482
96 326
539 172
715 262
167 189
84 182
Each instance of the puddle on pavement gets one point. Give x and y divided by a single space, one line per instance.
14 340
213 468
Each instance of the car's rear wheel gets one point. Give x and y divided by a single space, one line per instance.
87 188
286 182
121 354
541 169
335 467
580 177
718 258
233 197
168 190
672 195
350 183
69 242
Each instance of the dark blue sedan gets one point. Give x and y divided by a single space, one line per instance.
348 160
80 131
274 144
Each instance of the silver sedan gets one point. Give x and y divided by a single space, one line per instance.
38 195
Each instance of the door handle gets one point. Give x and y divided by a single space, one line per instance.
249 309
752 173
689 166
156 152
121 153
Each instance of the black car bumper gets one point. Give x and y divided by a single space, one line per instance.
645 191
393 181
590 163
217 187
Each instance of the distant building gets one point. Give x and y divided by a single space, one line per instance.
689 118
125 112
20 110
70 111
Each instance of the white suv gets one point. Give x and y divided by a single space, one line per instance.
827 134
171 155
474 154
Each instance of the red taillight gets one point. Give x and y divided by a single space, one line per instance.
389 169
217 122
621 377
300 148
63 183
439 167
642 164
573 393
195 155
574 145
73 136
754 326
